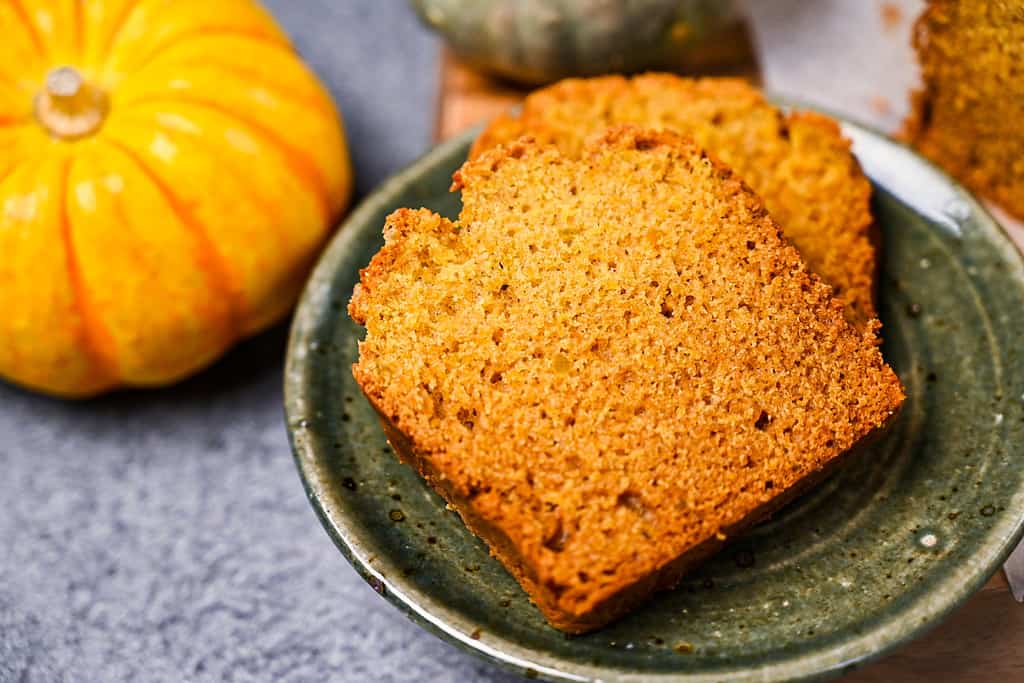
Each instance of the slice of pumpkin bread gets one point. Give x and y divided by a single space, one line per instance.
609 364
968 115
800 163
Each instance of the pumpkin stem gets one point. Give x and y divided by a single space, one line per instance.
68 107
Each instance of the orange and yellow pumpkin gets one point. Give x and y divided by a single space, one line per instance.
169 170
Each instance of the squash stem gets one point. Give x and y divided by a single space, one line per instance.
68 106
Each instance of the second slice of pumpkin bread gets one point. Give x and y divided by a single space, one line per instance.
609 364
799 163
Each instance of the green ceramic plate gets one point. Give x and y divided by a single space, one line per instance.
876 555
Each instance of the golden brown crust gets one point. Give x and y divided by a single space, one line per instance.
603 395
967 116
800 164
501 130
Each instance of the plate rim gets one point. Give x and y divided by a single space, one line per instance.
848 654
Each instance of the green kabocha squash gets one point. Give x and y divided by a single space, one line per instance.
540 41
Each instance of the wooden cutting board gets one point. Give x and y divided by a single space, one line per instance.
983 642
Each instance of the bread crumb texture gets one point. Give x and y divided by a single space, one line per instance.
968 117
608 361
800 164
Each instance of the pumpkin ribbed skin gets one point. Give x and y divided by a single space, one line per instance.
535 42
138 252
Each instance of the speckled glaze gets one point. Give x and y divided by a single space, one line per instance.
870 559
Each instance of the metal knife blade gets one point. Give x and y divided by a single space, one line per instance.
1014 569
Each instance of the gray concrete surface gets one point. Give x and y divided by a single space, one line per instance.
164 536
